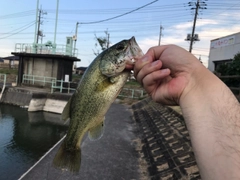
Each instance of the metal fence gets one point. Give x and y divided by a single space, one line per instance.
132 93
62 85
69 87
45 49
37 80
3 83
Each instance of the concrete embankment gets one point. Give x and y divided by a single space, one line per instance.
35 99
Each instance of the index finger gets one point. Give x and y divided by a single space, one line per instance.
152 54
156 51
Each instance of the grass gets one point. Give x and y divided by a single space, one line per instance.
9 71
76 77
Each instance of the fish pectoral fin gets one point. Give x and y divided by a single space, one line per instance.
66 110
113 79
96 132
103 84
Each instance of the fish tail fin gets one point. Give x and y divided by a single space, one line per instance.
69 159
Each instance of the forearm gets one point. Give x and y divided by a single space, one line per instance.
212 115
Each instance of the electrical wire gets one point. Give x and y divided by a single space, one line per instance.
19 14
115 17
33 23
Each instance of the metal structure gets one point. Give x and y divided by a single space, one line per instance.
3 82
46 48
194 37
131 93
32 79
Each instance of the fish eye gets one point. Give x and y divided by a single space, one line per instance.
120 47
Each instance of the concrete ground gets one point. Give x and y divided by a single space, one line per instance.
152 142
112 157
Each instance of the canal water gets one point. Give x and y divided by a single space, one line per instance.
24 138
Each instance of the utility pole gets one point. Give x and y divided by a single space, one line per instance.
35 34
108 36
55 32
160 35
75 39
194 37
39 32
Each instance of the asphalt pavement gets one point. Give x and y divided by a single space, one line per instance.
114 156
145 141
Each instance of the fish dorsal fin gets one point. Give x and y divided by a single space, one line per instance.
96 132
66 110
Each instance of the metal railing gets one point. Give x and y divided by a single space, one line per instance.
37 80
3 78
45 49
132 93
60 84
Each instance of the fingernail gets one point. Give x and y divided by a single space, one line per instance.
165 71
154 63
144 59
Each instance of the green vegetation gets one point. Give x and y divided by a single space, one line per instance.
231 69
76 77
9 71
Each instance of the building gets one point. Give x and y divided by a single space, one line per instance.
222 50
45 66
81 70
9 62
41 63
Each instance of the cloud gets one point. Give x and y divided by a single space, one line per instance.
207 29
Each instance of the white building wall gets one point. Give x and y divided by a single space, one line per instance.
223 49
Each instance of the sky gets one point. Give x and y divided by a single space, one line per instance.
121 19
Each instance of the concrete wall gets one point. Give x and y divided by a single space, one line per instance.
35 101
47 67
49 103
16 97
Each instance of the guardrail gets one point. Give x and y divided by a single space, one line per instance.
59 84
131 93
70 87
3 78
45 49
32 79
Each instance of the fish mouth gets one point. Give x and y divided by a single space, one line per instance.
135 52
130 61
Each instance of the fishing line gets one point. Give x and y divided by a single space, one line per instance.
94 22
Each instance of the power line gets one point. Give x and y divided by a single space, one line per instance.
33 23
108 19
18 15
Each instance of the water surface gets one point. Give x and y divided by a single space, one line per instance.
24 138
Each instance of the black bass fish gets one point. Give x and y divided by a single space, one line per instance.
97 90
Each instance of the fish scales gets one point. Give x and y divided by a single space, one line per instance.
97 89
88 107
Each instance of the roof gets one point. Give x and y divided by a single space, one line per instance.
54 56
82 68
226 36
11 58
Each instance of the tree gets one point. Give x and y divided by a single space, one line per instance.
103 42
230 69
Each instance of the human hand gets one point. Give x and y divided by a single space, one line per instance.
168 73
171 75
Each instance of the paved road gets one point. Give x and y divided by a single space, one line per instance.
112 157
164 150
